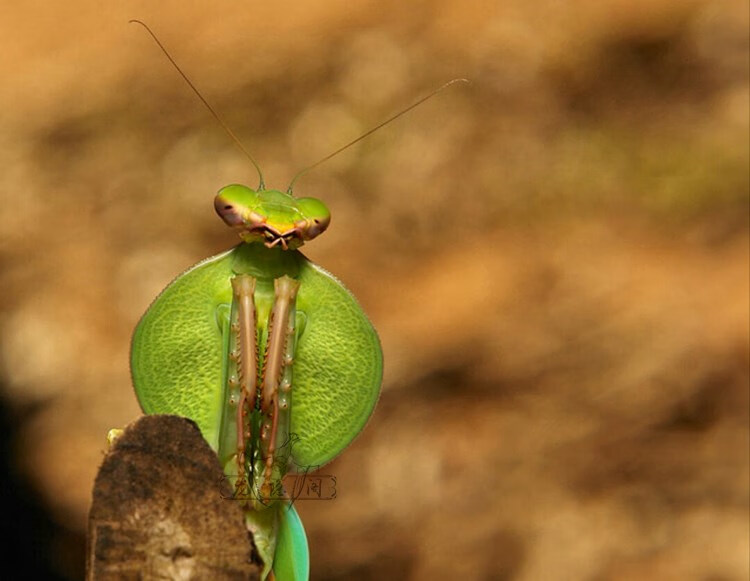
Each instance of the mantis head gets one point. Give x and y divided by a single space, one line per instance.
271 216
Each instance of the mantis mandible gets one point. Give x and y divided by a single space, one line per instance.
258 346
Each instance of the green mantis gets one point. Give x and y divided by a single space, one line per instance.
268 353
258 344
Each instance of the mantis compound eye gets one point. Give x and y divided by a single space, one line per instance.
317 217
317 226
228 211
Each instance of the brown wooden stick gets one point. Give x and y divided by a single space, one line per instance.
163 509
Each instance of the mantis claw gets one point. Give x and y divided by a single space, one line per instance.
112 437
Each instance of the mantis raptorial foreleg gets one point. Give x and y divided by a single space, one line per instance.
262 400
275 401
261 420
245 354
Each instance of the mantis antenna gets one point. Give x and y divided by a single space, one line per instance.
211 109
373 130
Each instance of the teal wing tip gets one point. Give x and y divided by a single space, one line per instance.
292 559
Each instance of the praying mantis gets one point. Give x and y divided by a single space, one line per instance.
268 353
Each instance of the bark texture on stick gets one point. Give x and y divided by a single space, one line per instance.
162 509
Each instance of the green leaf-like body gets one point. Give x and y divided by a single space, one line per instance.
177 351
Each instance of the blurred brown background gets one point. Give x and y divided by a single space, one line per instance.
556 258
